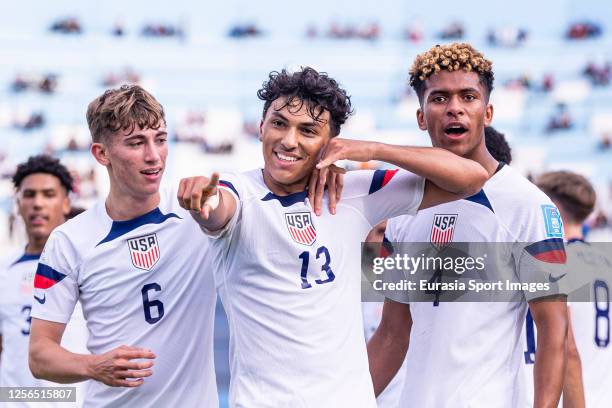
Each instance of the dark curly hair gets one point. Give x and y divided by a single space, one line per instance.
316 89
450 57
497 145
43 164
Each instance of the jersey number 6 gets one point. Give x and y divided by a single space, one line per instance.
150 305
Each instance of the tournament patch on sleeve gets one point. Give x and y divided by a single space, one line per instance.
552 221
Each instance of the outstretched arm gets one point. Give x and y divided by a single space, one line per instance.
449 176
209 205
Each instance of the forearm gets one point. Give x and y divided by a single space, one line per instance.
443 168
386 354
50 361
549 367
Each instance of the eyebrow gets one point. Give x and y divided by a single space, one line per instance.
312 123
34 190
140 135
446 91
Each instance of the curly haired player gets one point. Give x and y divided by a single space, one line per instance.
289 280
468 354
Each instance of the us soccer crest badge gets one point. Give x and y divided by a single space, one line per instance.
442 230
301 228
144 251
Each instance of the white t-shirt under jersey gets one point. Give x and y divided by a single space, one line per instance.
146 283
468 354
290 284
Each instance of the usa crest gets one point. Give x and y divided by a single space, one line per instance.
443 229
301 228
144 251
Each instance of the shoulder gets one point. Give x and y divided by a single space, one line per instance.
523 208
513 194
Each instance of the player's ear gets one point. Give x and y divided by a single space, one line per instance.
66 205
488 115
100 153
261 130
420 116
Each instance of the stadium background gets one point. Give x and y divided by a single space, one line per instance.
207 81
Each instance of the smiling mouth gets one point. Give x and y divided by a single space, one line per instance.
455 130
289 159
151 172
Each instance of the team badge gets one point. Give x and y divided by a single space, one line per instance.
552 221
442 230
301 228
144 251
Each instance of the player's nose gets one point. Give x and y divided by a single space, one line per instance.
290 139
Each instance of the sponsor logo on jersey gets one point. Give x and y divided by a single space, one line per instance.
144 251
552 221
301 228
442 230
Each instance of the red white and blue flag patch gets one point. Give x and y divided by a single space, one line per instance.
301 228
443 229
144 251
549 250
46 277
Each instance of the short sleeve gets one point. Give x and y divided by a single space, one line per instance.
540 253
383 194
56 289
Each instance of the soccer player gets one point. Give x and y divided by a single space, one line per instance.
468 354
289 280
137 264
588 377
42 185
372 311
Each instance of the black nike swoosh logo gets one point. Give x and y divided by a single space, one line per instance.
41 301
554 279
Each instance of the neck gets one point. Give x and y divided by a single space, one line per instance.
122 207
572 231
284 189
35 245
482 156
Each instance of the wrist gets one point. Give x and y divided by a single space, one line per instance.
376 151
87 366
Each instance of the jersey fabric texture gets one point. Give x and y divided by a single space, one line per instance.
144 282
290 284
468 354
16 291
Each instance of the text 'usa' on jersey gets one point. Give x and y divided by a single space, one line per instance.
290 283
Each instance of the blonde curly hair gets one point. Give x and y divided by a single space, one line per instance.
450 57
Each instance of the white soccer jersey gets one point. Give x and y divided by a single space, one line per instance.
16 287
468 354
590 321
146 283
290 284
